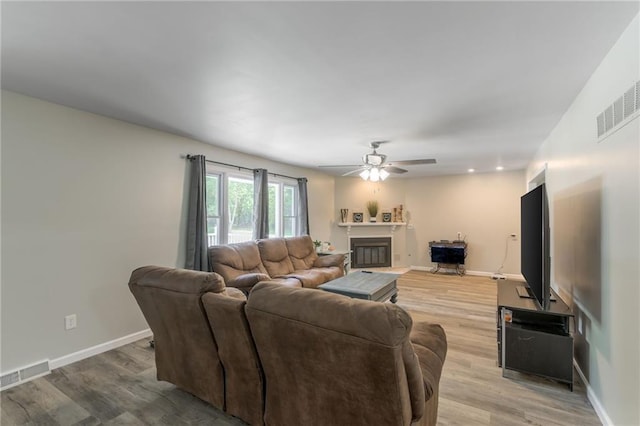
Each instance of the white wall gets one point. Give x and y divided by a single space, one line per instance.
85 200
605 173
485 207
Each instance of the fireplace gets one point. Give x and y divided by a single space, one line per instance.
370 252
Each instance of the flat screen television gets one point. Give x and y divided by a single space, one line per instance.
535 258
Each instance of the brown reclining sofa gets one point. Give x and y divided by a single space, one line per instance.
291 356
290 261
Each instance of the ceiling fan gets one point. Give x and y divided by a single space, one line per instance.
374 166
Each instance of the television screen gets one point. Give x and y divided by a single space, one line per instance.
534 229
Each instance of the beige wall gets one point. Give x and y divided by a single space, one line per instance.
484 207
594 188
85 200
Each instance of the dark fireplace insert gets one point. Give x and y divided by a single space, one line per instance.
370 252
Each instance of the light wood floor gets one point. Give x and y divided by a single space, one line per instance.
119 387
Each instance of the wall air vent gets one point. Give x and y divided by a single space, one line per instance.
620 112
26 373
629 102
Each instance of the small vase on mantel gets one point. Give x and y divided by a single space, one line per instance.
344 215
372 208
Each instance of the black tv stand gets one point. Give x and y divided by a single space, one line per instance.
525 293
533 340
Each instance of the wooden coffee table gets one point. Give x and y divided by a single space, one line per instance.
376 286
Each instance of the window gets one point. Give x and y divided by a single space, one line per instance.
282 209
230 207
240 209
290 210
213 208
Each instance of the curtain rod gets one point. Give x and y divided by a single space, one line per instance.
190 157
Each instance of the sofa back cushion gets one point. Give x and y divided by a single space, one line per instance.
329 359
301 252
275 256
232 260
186 353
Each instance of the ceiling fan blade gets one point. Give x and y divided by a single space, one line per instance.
342 166
353 172
393 169
414 162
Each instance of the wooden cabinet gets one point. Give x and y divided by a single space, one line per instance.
531 340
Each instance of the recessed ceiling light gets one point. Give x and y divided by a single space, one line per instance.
499 168
471 170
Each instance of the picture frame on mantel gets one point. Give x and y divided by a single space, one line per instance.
358 217
386 217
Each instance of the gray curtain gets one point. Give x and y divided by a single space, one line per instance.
303 202
197 241
260 204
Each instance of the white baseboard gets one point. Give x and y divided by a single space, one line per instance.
73 357
516 277
98 349
593 399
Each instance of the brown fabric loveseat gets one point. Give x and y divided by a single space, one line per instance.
290 261
331 360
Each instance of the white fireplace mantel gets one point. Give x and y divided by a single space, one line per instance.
349 225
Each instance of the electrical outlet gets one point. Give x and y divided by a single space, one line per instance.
70 322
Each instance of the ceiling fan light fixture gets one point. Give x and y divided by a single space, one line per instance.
374 176
383 174
364 174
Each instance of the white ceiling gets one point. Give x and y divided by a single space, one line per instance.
473 84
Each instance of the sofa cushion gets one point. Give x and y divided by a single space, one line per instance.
234 260
285 281
275 257
301 252
312 278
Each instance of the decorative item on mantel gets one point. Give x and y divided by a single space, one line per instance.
397 213
357 217
386 217
344 215
372 208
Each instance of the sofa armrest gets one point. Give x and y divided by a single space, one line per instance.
329 260
177 280
234 293
246 281
430 345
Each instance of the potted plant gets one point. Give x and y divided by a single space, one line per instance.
372 208
317 244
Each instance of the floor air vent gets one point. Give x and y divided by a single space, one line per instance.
619 111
